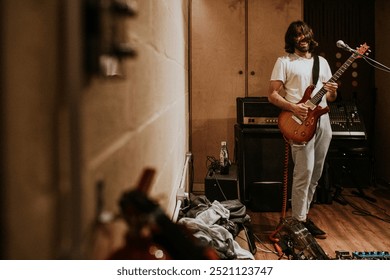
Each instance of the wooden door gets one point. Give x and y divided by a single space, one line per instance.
267 24
217 67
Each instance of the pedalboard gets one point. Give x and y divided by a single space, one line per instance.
362 255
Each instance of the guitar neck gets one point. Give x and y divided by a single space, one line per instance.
316 99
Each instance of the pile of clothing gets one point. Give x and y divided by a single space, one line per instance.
217 224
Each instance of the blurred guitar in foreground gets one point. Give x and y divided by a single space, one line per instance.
151 234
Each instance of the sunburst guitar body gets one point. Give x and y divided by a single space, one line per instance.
297 130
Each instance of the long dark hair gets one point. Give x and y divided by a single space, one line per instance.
292 32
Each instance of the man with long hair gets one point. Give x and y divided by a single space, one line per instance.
292 73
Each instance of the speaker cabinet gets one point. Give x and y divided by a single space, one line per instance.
222 187
260 156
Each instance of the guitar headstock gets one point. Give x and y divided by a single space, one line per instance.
363 50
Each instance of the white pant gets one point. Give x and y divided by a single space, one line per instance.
308 165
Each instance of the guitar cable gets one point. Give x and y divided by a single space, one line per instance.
272 236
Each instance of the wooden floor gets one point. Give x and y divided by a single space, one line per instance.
347 228
358 226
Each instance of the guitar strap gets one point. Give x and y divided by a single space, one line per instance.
316 70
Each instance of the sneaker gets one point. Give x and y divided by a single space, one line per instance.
314 230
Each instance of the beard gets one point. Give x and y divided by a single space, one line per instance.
302 48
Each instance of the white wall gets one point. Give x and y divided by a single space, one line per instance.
122 125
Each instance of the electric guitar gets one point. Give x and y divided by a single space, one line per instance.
300 131
151 233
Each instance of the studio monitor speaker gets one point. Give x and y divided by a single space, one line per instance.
260 154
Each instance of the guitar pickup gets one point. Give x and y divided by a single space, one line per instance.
309 104
298 120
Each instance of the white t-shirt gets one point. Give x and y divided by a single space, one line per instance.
295 73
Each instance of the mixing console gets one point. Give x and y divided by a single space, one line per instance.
345 120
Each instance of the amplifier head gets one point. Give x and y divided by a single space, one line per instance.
256 111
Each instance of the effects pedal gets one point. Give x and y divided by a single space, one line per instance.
362 255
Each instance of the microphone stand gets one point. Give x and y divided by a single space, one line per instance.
360 192
348 48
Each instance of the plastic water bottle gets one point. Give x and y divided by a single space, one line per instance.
224 158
